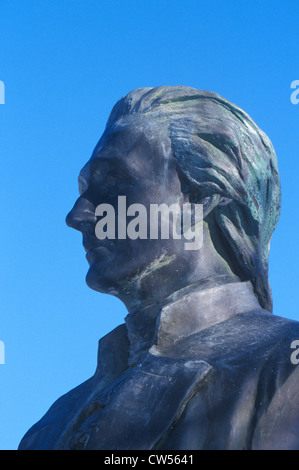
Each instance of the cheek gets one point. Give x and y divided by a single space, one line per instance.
135 256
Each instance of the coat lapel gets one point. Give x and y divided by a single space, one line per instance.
145 404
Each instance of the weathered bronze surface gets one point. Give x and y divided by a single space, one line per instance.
200 362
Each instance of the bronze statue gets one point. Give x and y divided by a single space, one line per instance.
200 362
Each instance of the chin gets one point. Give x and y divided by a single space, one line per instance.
97 279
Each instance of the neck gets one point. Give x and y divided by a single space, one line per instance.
186 311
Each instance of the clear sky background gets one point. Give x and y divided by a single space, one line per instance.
64 64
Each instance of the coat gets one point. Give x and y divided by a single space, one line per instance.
230 386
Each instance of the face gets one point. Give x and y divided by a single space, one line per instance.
142 170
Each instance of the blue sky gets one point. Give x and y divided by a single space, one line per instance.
64 65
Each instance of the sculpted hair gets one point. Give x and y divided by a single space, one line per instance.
219 152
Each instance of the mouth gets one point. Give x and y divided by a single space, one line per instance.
95 249
95 254
90 242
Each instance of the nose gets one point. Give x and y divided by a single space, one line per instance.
82 216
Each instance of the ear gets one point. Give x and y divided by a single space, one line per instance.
224 201
210 202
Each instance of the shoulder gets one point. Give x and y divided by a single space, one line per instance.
112 360
278 427
276 410
43 434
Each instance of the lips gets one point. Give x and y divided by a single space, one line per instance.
96 248
95 254
90 242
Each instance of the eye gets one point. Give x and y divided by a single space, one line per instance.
110 180
116 179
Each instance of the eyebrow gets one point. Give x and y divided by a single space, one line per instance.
110 162
84 174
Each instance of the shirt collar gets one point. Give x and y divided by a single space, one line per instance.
201 309
187 312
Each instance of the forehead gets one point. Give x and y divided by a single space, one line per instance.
119 138
128 147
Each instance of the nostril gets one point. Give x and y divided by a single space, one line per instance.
82 215
73 220
68 219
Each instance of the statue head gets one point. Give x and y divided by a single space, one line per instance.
177 145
